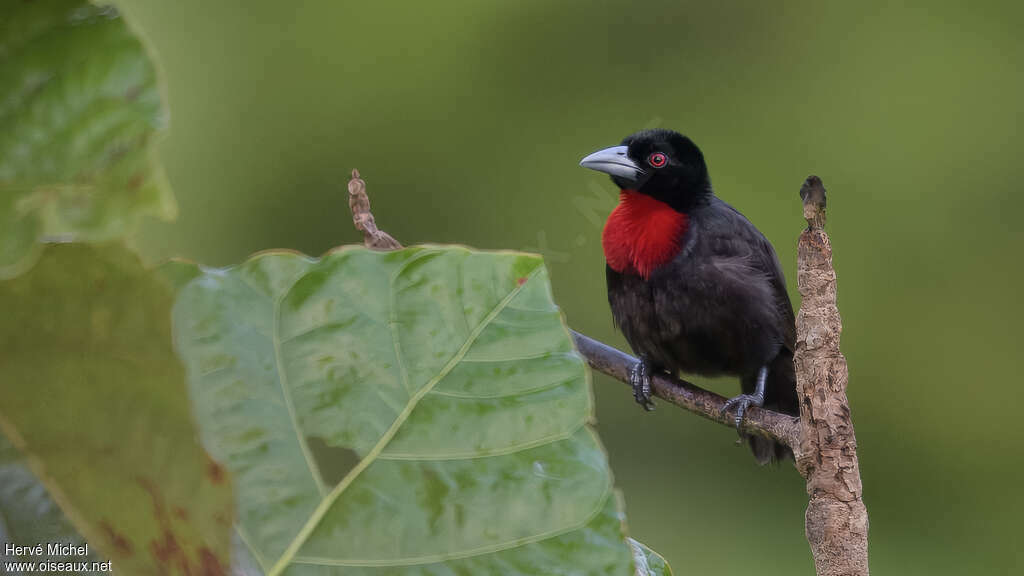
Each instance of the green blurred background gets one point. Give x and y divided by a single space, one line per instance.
467 120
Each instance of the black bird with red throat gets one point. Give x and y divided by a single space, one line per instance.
692 284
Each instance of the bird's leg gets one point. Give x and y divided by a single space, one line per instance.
640 378
744 401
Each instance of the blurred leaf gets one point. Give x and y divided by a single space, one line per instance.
80 109
417 412
178 272
95 398
647 561
28 515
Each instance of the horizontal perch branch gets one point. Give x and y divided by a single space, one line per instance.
687 396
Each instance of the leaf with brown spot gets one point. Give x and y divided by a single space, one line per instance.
117 541
209 564
102 413
215 472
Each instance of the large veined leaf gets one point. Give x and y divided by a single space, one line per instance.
80 109
94 399
412 412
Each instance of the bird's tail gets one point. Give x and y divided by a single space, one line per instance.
780 396
768 451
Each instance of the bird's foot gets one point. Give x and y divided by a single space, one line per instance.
742 403
640 378
745 401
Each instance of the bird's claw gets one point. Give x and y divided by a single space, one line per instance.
742 403
640 379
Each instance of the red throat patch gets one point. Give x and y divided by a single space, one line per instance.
641 234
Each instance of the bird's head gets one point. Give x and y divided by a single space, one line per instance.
660 163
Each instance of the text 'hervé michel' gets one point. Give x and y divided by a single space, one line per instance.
50 549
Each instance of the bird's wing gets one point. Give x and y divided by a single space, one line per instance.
749 240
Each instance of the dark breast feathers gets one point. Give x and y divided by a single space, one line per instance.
719 307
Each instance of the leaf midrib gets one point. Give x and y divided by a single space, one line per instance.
314 469
329 500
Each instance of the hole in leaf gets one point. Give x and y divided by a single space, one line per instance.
334 461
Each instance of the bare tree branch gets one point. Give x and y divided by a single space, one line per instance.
836 521
359 204
687 396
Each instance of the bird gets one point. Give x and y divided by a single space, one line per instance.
693 285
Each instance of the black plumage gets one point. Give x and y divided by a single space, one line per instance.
718 305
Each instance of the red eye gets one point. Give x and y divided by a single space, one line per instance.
657 159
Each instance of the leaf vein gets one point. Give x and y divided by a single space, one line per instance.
242 535
357 470
314 469
482 454
494 548
523 392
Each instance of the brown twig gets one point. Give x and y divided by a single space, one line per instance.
359 203
836 522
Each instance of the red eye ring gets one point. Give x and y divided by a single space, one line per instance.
657 159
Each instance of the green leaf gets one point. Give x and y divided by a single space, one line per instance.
648 562
416 412
28 515
80 112
95 399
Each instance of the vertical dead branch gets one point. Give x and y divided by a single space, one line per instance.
359 203
836 519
